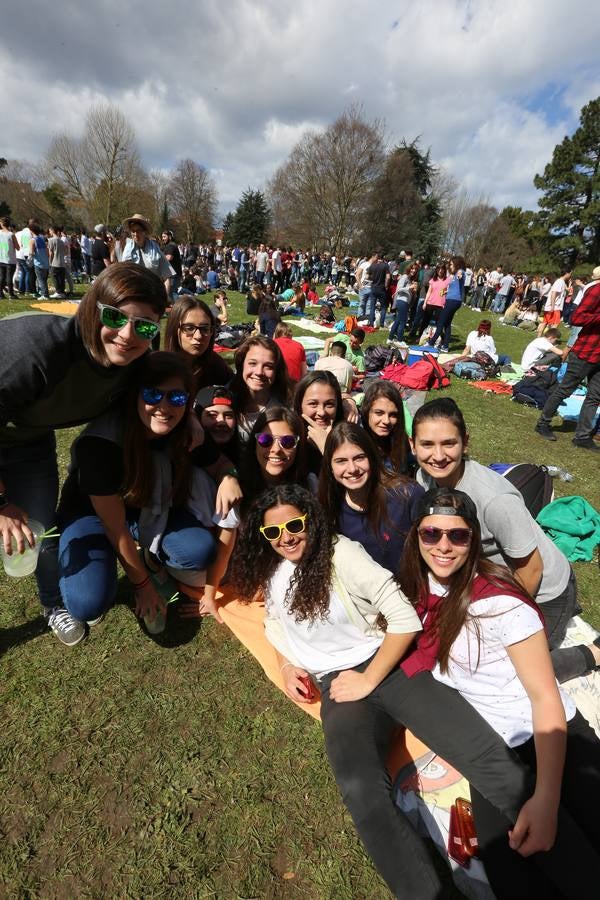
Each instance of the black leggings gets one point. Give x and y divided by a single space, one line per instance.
357 739
572 866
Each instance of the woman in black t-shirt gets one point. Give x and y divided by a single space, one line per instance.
132 479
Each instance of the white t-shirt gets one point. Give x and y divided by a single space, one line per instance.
338 366
325 645
559 292
483 672
262 257
477 342
505 285
534 351
23 238
363 268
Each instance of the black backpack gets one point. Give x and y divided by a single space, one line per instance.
534 483
378 356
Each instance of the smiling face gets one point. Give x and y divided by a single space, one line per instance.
439 448
289 546
220 422
319 404
195 344
383 417
124 346
274 461
350 466
160 420
444 558
258 372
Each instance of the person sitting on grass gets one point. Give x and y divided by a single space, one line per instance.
510 534
191 334
132 480
261 380
338 365
383 418
483 635
325 602
353 342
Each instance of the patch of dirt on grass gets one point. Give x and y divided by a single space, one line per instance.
114 813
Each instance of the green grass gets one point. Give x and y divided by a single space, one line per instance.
138 768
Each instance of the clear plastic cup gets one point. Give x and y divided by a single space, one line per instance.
19 565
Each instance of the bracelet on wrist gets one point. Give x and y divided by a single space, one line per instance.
142 584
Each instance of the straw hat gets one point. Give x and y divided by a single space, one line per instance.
137 219
596 274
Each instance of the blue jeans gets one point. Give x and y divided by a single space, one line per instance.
243 280
41 280
30 473
88 562
499 303
25 277
444 323
382 297
364 301
399 323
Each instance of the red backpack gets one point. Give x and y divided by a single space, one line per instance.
426 374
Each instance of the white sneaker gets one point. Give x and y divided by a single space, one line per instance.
96 621
68 630
55 296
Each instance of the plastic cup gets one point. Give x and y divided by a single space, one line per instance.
19 565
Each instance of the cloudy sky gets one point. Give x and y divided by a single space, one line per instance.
490 85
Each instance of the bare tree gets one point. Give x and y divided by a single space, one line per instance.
110 154
321 192
65 162
193 199
467 220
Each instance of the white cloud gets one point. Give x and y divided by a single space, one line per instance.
235 85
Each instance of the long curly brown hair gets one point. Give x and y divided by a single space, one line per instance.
255 561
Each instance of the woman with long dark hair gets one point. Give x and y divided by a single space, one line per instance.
357 501
484 636
132 479
383 418
191 332
275 453
260 381
325 598
318 400
511 536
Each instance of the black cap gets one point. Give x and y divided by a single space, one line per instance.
435 503
214 395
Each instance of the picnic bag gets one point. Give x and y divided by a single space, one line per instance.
468 368
423 375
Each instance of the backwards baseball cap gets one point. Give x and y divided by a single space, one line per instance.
214 395
441 501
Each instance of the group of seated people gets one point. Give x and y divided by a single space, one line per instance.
403 580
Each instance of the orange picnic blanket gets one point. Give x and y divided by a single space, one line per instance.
246 621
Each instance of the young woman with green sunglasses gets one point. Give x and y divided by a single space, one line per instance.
57 372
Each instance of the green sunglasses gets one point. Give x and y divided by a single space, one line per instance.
111 317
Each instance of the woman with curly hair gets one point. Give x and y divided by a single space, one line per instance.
191 334
383 418
260 380
357 501
275 453
326 600
483 635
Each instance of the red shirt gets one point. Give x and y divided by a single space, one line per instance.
293 354
587 315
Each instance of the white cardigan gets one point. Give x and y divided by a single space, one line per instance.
366 589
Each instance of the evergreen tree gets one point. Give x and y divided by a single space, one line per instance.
571 185
251 220
163 224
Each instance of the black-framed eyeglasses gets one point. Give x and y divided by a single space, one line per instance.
189 329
